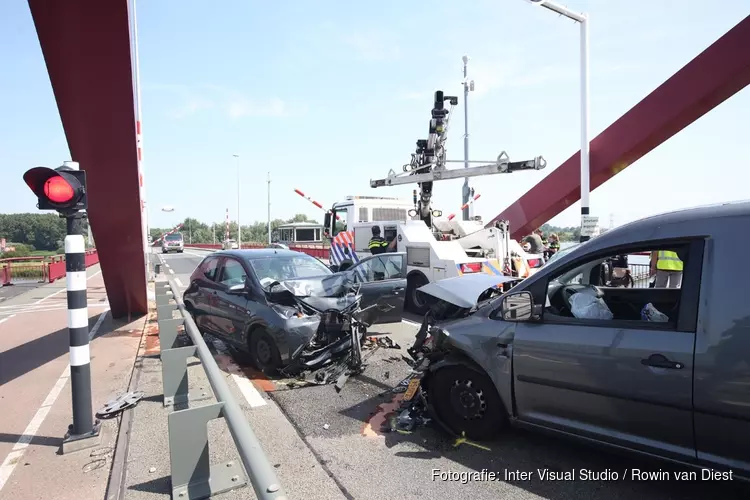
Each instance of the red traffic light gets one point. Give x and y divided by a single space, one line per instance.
62 189
58 190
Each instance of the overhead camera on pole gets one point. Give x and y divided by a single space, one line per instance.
64 189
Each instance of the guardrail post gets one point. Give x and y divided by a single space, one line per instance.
168 332
173 360
193 476
175 377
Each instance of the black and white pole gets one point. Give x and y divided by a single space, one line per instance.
83 425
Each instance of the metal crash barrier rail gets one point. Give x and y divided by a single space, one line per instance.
192 475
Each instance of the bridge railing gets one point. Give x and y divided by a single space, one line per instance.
191 473
319 251
16 270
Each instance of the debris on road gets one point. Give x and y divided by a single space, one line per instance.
121 403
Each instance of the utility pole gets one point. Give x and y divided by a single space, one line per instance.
269 208
214 228
239 225
467 193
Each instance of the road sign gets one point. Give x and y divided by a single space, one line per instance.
589 225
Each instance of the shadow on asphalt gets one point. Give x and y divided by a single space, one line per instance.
37 440
519 450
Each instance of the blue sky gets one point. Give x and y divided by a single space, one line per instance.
328 95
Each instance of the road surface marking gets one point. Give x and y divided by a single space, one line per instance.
179 283
252 396
410 322
63 289
171 271
27 310
6 319
10 462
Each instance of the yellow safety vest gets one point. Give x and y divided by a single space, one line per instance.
668 261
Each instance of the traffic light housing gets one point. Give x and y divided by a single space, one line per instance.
62 189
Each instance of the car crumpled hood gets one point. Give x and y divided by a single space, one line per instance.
464 291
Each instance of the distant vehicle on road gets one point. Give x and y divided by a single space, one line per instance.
173 243
229 245
229 292
658 371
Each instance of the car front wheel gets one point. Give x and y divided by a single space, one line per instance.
263 351
466 402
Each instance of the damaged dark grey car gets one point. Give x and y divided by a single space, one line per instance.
274 303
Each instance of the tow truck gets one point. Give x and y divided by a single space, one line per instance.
435 247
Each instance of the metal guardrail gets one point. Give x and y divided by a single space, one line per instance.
192 475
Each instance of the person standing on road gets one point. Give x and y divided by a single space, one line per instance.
667 267
535 243
377 244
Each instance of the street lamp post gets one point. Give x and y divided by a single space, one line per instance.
269 208
468 86
583 20
239 226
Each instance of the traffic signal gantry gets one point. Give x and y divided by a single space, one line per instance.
64 189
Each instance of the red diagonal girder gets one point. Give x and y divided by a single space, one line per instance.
716 74
86 46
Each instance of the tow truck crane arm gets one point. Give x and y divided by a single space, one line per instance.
428 163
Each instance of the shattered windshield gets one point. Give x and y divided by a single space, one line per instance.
283 268
334 285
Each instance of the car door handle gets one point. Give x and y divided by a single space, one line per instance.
660 361
398 290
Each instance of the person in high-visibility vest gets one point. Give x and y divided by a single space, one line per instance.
667 267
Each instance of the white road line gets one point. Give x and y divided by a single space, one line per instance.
410 322
252 396
47 309
171 271
10 462
63 289
179 283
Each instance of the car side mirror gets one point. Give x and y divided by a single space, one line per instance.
334 268
518 307
327 221
237 289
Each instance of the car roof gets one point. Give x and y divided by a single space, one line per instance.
259 253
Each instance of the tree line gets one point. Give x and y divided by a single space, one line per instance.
564 233
33 232
195 231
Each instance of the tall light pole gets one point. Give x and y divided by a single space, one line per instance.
583 20
269 208
468 87
239 226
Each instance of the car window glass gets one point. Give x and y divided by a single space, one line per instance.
280 268
382 267
654 276
209 268
233 273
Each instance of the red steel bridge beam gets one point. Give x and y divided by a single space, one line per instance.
86 46
719 72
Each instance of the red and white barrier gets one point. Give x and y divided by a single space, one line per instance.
316 203
464 206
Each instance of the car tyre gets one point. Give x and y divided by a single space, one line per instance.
264 353
416 301
466 401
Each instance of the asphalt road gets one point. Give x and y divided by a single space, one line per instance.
342 430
